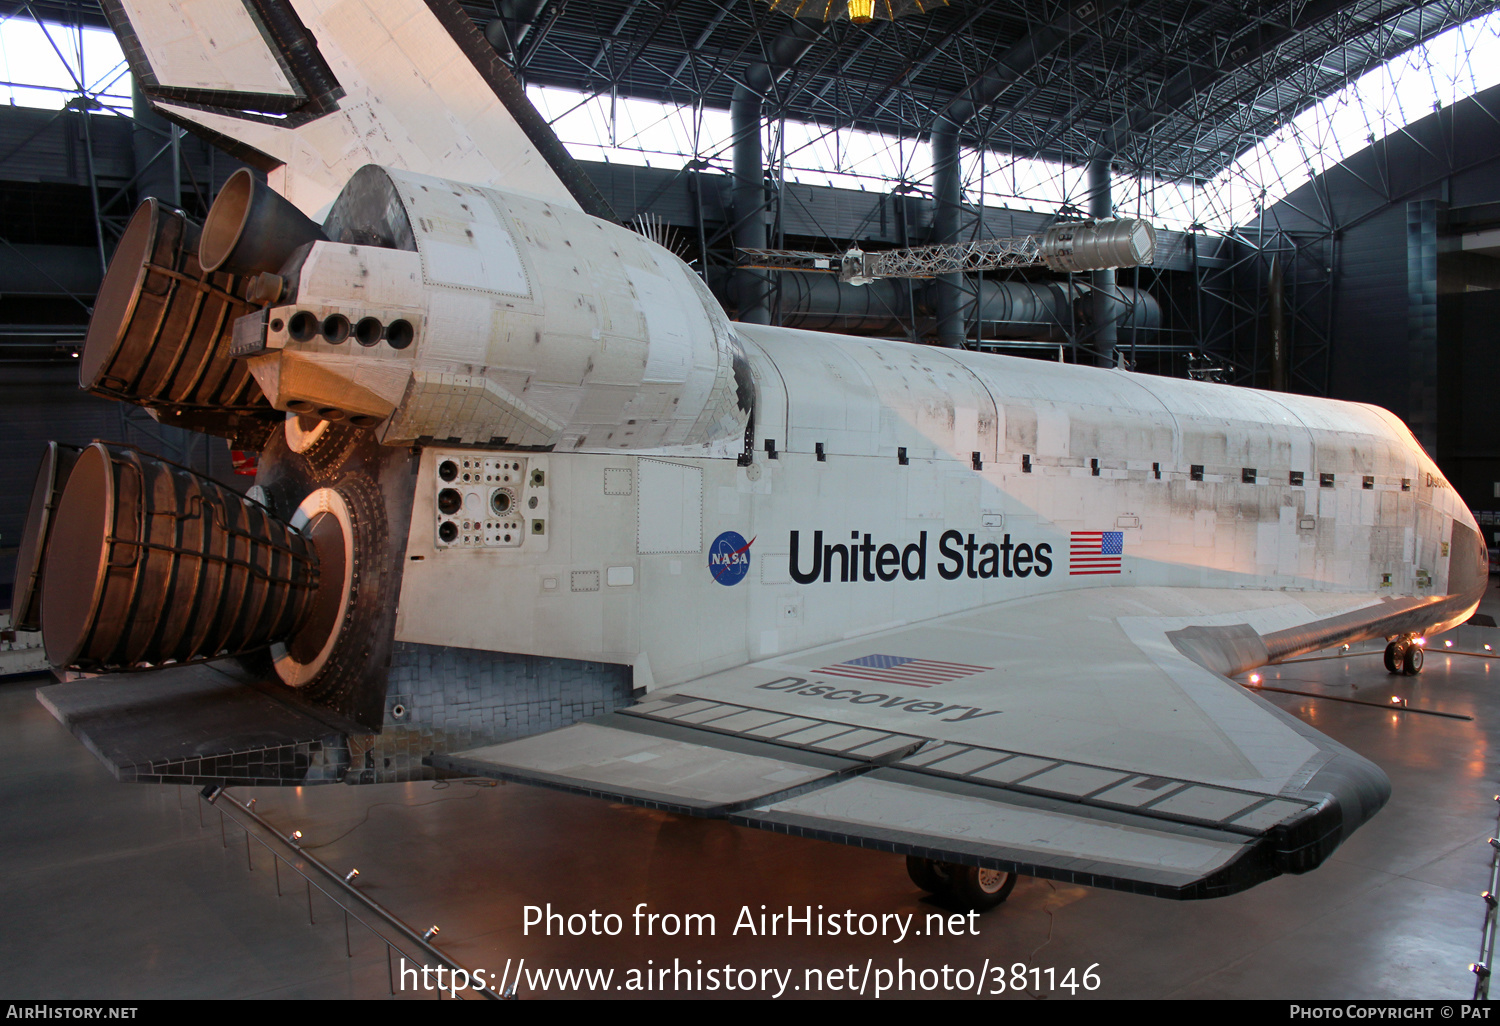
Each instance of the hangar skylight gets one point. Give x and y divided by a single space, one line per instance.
1447 68
48 65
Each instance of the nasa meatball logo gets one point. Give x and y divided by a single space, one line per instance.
729 558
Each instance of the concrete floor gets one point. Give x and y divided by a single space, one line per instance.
114 890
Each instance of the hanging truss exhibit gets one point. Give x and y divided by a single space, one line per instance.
788 260
1073 246
1166 92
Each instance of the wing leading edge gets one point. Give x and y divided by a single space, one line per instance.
1068 737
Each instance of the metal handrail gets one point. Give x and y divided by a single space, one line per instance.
1481 968
341 885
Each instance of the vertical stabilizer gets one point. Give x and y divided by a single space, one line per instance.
311 90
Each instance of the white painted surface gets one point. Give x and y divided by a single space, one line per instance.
535 324
669 512
412 100
668 329
1218 533
207 44
457 328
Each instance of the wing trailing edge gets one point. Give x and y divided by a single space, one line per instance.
1077 823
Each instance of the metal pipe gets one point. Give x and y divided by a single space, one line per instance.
749 188
1013 64
749 202
153 142
507 32
1483 968
1021 310
1276 316
822 303
1004 309
1101 205
88 150
947 206
267 835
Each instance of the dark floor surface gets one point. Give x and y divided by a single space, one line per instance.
114 890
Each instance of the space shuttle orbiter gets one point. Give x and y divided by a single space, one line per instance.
971 609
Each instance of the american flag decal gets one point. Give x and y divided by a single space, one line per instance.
1095 552
913 673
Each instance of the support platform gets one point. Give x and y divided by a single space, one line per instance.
205 724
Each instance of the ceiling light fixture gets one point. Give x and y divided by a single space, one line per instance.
861 12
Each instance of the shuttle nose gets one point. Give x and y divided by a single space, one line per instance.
1468 564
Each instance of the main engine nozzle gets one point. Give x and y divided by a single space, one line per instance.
160 333
251 229
148 564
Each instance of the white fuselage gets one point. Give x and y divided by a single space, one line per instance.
590 488
947 480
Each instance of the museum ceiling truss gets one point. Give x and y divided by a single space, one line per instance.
1164 90
1171 88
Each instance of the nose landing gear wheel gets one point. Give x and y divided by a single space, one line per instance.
968 887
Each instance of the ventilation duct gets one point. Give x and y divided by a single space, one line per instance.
1028 311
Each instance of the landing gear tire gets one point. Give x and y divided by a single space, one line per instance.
1392 657
965 886
981 889
930 876
1411 662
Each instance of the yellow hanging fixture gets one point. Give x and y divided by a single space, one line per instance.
861 12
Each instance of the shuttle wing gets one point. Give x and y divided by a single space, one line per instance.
312 90
1078 736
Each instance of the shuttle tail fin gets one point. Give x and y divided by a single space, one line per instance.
311 90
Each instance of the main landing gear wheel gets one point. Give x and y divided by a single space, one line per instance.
968 887
1411 663
1403 655
981 889
930 876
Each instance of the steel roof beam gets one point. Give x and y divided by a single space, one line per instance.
1021 58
